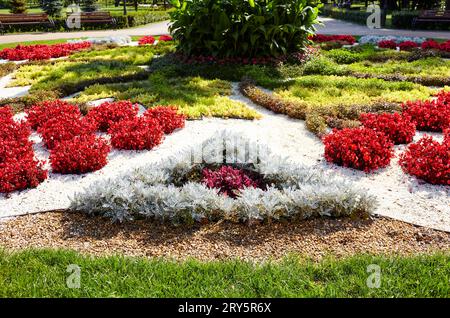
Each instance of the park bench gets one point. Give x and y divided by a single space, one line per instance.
24 19
432 16
97 17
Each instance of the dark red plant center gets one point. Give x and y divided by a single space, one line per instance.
229 180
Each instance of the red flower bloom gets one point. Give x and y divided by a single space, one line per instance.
428 160
109 113
431 115
167 117
41 52
430 45
80 154
138 133
320 38
358 148
398 128
39 114
146 40
18 167
387 44
445 46
408 45
64 128
165 38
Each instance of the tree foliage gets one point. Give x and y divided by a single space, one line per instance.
51 7
18 6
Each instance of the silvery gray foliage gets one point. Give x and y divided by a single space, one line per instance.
297 192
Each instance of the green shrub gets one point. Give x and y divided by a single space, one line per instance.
228 28
403 19
7 68
355 16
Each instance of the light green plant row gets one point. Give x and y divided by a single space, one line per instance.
433 66
432 71
136 55
329 91
68 77
336 101
196 97
42 273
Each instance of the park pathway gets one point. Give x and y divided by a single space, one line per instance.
331 26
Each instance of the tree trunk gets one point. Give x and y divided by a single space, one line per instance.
124 7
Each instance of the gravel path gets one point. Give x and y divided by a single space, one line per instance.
310 238
400 196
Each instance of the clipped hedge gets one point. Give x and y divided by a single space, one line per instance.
132 19
355 16
404 20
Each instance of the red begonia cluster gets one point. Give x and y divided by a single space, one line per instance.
320 38
428 160
108 113
41 51
81 154
165 38
400 129
40 113
408 45
430 115
387 44
167 117
63 128
18 167
359 148
138 133
145 40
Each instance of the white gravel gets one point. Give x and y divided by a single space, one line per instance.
9 92
400 196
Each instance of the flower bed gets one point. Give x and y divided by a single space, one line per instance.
430 115
65 128
40 113
173 190
344 39
136 134
41 52
146 40
400 129
387 44
18 167
428 160
407 45
81 154
167 117
358 148
109 113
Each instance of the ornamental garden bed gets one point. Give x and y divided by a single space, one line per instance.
375 149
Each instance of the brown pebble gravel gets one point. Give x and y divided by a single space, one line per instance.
313 238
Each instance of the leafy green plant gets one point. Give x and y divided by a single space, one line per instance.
226 28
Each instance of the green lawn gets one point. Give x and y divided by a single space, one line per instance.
43 273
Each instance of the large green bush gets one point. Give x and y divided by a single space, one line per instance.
227 28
